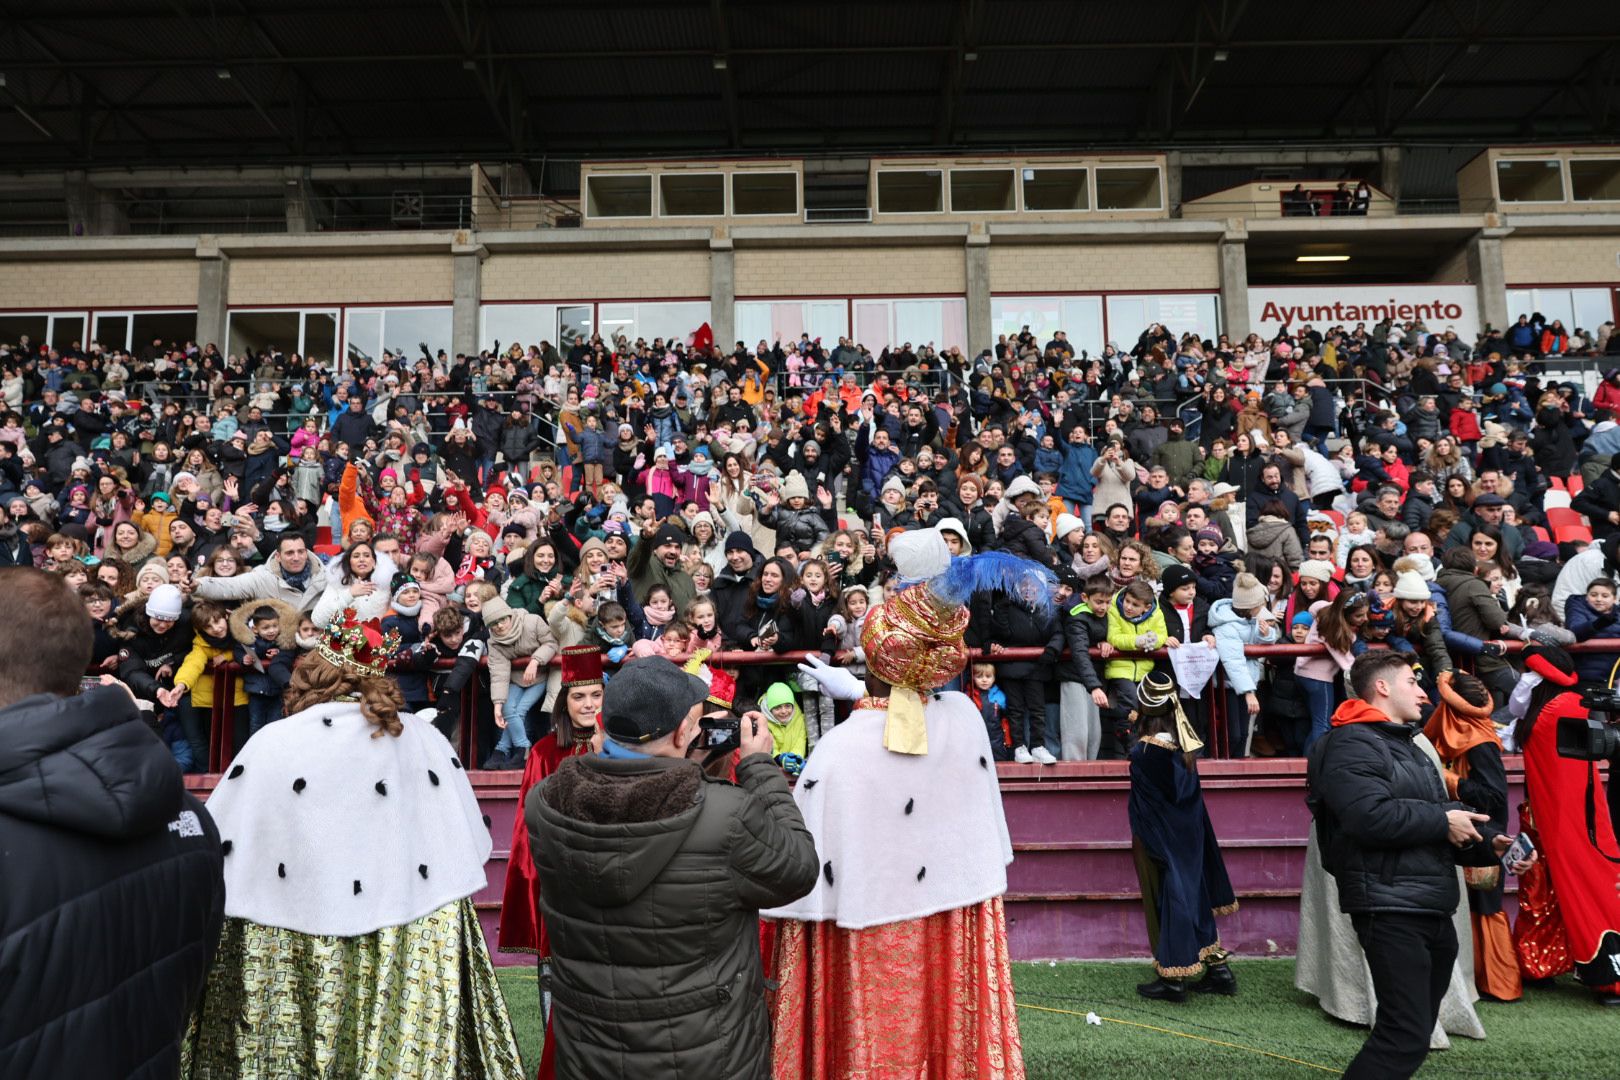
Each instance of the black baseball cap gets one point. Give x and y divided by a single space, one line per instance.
648 699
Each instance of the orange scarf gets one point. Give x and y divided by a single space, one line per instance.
1456 727
1356 711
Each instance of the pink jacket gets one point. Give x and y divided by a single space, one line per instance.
1321 668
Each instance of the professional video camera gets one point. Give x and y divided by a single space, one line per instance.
1596 738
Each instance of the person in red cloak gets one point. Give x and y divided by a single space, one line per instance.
575 724
1569 912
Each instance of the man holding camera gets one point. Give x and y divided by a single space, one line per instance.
651 879
1392 840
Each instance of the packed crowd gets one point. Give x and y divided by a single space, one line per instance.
1347 487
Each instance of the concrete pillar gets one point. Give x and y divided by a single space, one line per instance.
979 332
722 291
1235 285
466 293
91 210
1172 182
1389 171
213 293
1489 278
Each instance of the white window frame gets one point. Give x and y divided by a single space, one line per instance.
50 316
1091 187
1017 188
652 201
381 311
303 314
1569 176
798 190
877 191
1096 187
725 192
124 313
1563 181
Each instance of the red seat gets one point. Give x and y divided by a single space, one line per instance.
1558 483
1541 533
1558 516
1573 532
1336 517
323 535
329 550
1576 484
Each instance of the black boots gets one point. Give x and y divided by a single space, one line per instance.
1218 979
1162 989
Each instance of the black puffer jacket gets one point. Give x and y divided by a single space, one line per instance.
112 892
1025 539
1380 812
652 876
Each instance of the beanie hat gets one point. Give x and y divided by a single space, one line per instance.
1021 485
894 483
161 496
1316 569
153 568
494 489
514 529
1066 524
165 603
422 448
1247 592
795 487
1174 577
1379 612
1421 565
388 474
741 541
1304 618
1409 585
494 610
403 581
1210 532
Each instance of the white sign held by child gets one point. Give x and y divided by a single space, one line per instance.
1194 663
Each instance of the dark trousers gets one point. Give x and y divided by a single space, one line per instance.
1410 957
1026 709
1237 724
262 709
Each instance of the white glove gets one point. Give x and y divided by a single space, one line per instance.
837 683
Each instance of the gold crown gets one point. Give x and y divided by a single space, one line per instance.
359 646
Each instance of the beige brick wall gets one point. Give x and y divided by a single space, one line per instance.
600 275
1046 268
340 279
1455 268
864 271
1546 260
102 284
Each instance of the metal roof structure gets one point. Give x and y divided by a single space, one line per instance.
97 83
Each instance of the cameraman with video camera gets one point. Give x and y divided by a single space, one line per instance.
652 875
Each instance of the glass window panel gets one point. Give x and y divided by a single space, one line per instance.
1083 322
619 196
65 330
614 321
1594 180
172 328
1055 189
872 324
752 321
910 191
827 320
982 190
920 322
13 328
1010 314
672 321
320 336
787 321
1128 188
575 324
764 193
526 324
698 195
407 329
1537 180
112 331
1181 313
1592 307
364 336
254 332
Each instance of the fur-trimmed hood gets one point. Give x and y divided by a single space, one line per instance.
288 615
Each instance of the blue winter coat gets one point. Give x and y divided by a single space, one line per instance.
1074 477
1232 632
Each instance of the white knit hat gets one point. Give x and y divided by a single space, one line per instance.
1066 524
1320 569
1410 586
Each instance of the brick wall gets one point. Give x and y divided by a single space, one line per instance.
580 275
1048 268
1546 260
103 284
864 271
340 279
1455 268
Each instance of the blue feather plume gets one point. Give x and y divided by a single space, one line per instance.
1018 577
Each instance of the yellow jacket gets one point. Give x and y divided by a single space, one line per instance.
197 672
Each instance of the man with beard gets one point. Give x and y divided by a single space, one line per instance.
656 560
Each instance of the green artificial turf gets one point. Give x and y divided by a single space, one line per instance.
1556 1032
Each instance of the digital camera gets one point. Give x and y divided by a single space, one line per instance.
1596 738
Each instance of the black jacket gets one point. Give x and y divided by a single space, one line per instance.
1025 539
112 892
1380 811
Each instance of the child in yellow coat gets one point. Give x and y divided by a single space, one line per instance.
193 692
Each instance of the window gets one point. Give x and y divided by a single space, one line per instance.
882 324
135 330
311 334
1594 179
59 330
1181 313
982 190
910 191
1055 189
618 196
764 193
112 331
1081 317
1530 181
687 195
785 320
1129 188
522 324
672 321
1584 309
402 331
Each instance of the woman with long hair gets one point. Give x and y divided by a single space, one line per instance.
353 848
362 580
1488 547
575 729
1335 625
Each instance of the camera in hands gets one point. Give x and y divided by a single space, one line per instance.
1596 737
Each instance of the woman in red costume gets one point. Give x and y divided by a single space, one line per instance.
574 730
1569 912
1465 738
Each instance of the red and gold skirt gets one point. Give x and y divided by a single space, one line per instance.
929 998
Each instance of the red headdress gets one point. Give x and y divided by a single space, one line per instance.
581 666
359 646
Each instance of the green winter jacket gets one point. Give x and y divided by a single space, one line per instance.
651 880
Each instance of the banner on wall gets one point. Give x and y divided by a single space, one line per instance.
1439 307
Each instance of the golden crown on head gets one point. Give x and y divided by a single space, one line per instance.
361 647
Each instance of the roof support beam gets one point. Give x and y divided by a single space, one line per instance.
495 78
723 61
